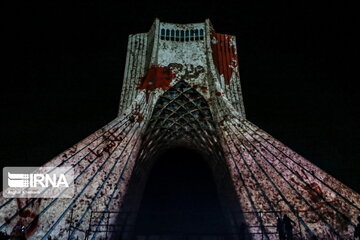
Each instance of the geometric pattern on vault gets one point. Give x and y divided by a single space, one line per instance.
181 114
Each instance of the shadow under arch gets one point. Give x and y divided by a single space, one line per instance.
180 197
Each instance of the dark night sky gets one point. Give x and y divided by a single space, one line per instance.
65 67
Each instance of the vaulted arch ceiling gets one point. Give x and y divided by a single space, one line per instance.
181 116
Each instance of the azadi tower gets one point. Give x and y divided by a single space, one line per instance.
181 87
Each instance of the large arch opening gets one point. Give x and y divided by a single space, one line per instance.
180 183
180 198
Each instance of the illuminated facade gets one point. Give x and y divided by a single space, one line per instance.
182 88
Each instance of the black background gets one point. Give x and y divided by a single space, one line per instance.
64 69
